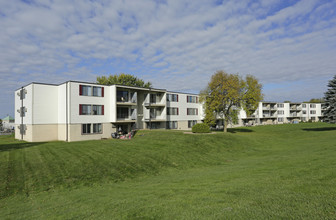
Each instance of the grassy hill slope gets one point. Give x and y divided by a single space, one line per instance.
284 171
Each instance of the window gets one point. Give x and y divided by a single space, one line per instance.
152 98
91 109
191 123
280 119
85 109
92 128
312 112
122 96
97 91
91 91
153 113
172 111
281 112
304 112
97 128
312 105
171 124
86 128
192 99
122 113
192 111
86 90
280 105
172 97
97 109
304 106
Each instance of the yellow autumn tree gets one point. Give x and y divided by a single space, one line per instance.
227 93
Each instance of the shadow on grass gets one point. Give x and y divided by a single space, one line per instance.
320 129
16 146
235 130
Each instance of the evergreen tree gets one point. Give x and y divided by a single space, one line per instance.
329 104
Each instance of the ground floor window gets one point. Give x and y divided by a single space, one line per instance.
154 125
86 128
191 123
92 128
171 124
97 128
280 119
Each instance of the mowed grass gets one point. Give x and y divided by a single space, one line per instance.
266 172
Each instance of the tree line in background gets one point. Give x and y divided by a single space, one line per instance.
123 79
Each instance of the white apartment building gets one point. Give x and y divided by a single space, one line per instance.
75 111
279 113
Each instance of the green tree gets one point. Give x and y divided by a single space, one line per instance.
329 104
320 100
123 79
226 94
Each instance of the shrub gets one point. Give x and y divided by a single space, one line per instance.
200 128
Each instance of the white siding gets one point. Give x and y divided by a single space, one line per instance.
62 103
77 99
182 105
45 104
113 103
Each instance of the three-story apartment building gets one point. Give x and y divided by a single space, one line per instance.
74 111
279 113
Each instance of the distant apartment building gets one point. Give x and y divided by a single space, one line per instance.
75 111
279 113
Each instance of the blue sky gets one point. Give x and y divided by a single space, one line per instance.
289 46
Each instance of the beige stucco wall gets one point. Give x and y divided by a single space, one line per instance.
39 133
183 125
75 132
61 132
54 132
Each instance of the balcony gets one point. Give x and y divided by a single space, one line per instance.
253 116
295 108
154 115
293 115
126 98
269 108
154 105
154 100
269 115
126 114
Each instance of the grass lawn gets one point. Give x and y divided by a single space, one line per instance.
265 172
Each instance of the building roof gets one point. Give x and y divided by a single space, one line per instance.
8 118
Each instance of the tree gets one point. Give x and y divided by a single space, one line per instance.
329 104
227 93
123 79
318 100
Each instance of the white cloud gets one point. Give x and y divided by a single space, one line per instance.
177 45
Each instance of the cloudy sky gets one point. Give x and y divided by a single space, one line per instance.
290 46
